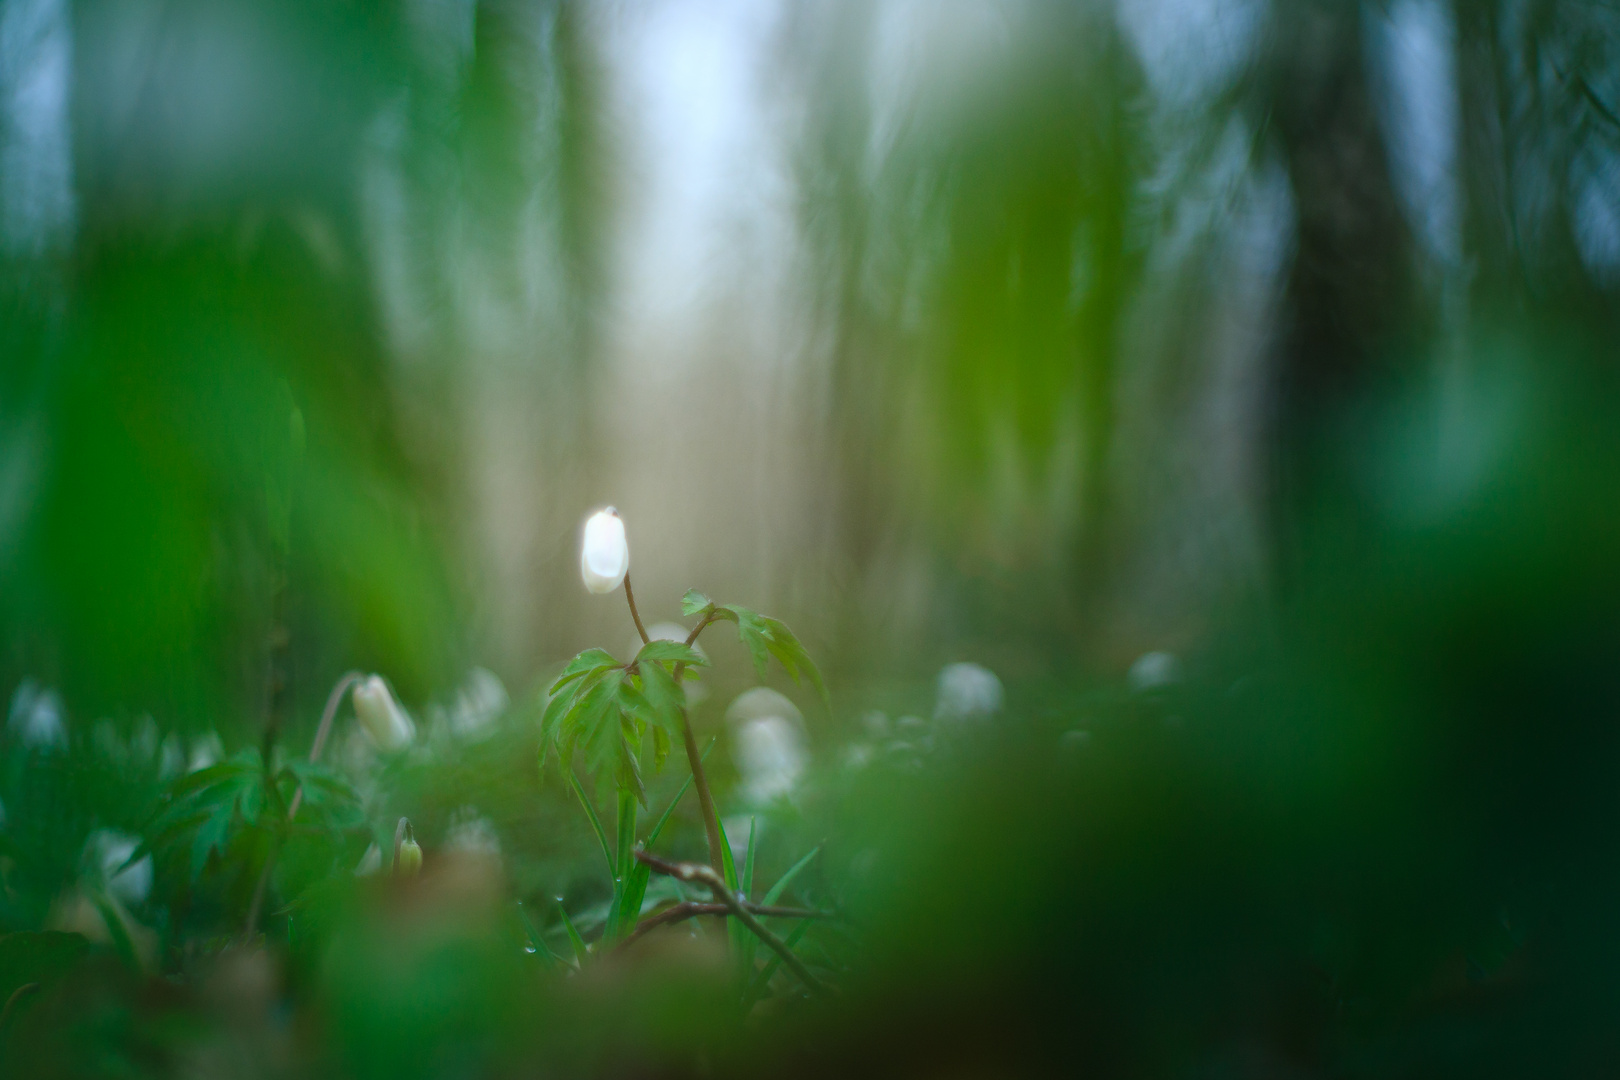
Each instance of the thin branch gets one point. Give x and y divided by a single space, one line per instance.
634 614
706 875
700 779
691 909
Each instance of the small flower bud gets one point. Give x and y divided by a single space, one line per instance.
380 715
408 863
604 557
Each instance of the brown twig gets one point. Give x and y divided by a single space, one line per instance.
328 714
691 909
706 875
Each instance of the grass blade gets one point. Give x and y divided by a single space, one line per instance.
581 953
541 949
763 979
746 886
786 879
596 822
635 889
652 837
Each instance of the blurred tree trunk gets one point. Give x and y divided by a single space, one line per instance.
1350 298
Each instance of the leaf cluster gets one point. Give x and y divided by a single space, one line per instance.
606 710
208 807
763 637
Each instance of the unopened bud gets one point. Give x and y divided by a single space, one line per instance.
604 556
408 860
380 715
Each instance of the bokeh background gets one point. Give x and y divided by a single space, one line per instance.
1236 380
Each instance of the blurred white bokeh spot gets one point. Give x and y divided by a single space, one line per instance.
106 852
768 744
1153 670
966 692
36 716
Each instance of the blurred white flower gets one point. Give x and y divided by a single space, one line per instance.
761 703
1153 670
370 863
205 751
36 716
479 702
604 555
876 724
173 760
737 836
768 744
106 852
380 715
1075 739
966 692
472 832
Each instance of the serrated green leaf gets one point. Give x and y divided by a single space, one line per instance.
663 694
222 773
660 741
794 659
586 662
694 603
671 652
754 634
210 836
776 891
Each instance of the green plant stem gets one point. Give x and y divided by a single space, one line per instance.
630 596
700 779
328 714
706 875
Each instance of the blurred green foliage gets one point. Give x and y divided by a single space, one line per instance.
1133 336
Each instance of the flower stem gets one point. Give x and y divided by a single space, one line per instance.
634 614
700 779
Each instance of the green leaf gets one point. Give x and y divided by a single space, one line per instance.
793 658
660 736
763 979
211 836
786 879
541 949
735 930
586 662
746 883
596 822
753 633
671 652
694 603
746 886
581 953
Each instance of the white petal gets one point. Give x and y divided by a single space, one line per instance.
604 555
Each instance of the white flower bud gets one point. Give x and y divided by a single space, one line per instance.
409 862
604 557
380 715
